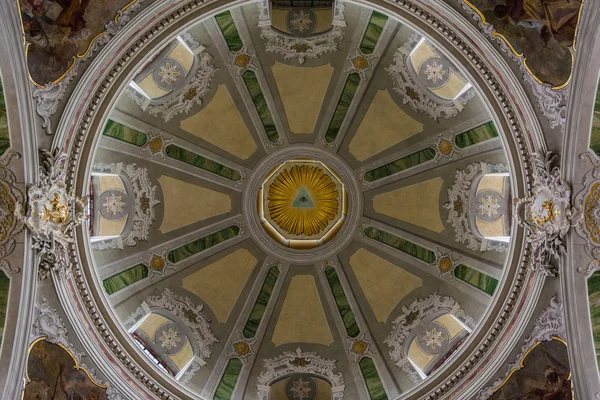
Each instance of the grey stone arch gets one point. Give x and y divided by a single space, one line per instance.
183 330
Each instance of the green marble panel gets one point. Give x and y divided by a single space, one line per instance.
476 278
4 137
229 30
124 133
594 298
595 137
4 286
258 311
261 106
372 380
341 301
198 245
403 245
400 165
476 135
342 107
204 163
374 28
228 380
125 278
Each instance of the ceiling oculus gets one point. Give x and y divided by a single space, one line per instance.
302 204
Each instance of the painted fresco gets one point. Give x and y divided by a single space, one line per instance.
60 31
595 138
542 31
544 376
53 375
4 138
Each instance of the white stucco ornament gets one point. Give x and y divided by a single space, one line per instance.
547 214
52 214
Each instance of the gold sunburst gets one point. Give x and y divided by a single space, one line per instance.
303 221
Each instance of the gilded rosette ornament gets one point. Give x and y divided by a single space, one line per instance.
52 214
547 214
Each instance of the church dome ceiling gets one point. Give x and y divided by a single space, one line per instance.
297 200
309 201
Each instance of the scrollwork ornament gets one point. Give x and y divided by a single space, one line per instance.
52 214
547 213
302 48
299 362
10 225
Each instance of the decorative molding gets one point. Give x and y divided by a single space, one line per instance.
293 362
10 224
412 374
445 262
413 315
159 264
445 148
359 346
52 214
47 99
188 96
458 206
182 307
243 348
156 143
144 195
547 213
302 48
414 95
190 371
359 63
552 102
243 60
548 325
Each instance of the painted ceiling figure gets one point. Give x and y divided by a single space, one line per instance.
556 19
71 17
557 387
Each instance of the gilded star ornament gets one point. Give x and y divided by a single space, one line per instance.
156 144
445 262
360 63
243 348
433 338
435 72
170 339
158 264
359 347
445 148
243 60
168 73
488 206
113 204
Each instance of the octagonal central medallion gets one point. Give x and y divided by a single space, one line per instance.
302 204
